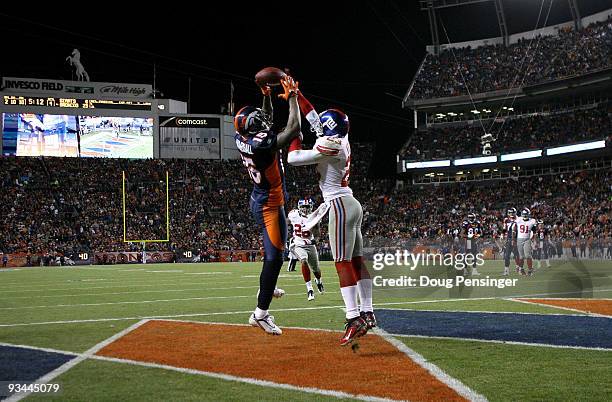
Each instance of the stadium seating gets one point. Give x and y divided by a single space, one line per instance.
69 205
518 133
75 204
528 62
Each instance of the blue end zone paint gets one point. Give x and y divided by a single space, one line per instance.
561 330
21 364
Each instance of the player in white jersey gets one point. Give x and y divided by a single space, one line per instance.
525 226
303 246
332 157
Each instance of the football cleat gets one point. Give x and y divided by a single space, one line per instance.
522 272
267 324
278 293
310 295
320 287
475 272
506 272
354 328
369 318
530 272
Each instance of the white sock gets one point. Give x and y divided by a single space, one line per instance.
259 313
349 294
548 262
364 288
309 286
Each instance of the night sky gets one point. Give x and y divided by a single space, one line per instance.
359 56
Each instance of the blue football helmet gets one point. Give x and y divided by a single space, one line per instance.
526 214
334 123
305 206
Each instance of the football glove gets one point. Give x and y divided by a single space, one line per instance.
266 90
290 88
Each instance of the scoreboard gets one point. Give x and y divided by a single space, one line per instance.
73 103
77 119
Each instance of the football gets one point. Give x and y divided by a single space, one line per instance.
269 76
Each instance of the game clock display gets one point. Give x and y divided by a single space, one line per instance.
73 103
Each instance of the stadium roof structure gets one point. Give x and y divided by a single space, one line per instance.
432 5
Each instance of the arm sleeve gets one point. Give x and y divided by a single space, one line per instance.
304 157
310 113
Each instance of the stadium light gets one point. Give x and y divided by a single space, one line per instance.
474 161
427 164
576 148
521 155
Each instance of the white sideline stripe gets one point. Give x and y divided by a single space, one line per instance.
278 310
547 345
208 273
130 270
70 364
94 280
138 302
587 313
203 289
434 370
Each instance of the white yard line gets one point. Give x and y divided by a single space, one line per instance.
139 302
49 350
148 280
168 271
121 284
201 288
70 364
247 380
434 370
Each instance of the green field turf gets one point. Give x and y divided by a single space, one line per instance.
74 308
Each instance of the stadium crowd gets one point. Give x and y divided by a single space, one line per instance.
518 133
527 62
577 206
70 205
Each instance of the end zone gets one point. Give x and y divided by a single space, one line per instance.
301 359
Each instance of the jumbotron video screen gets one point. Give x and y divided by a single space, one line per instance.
29 134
